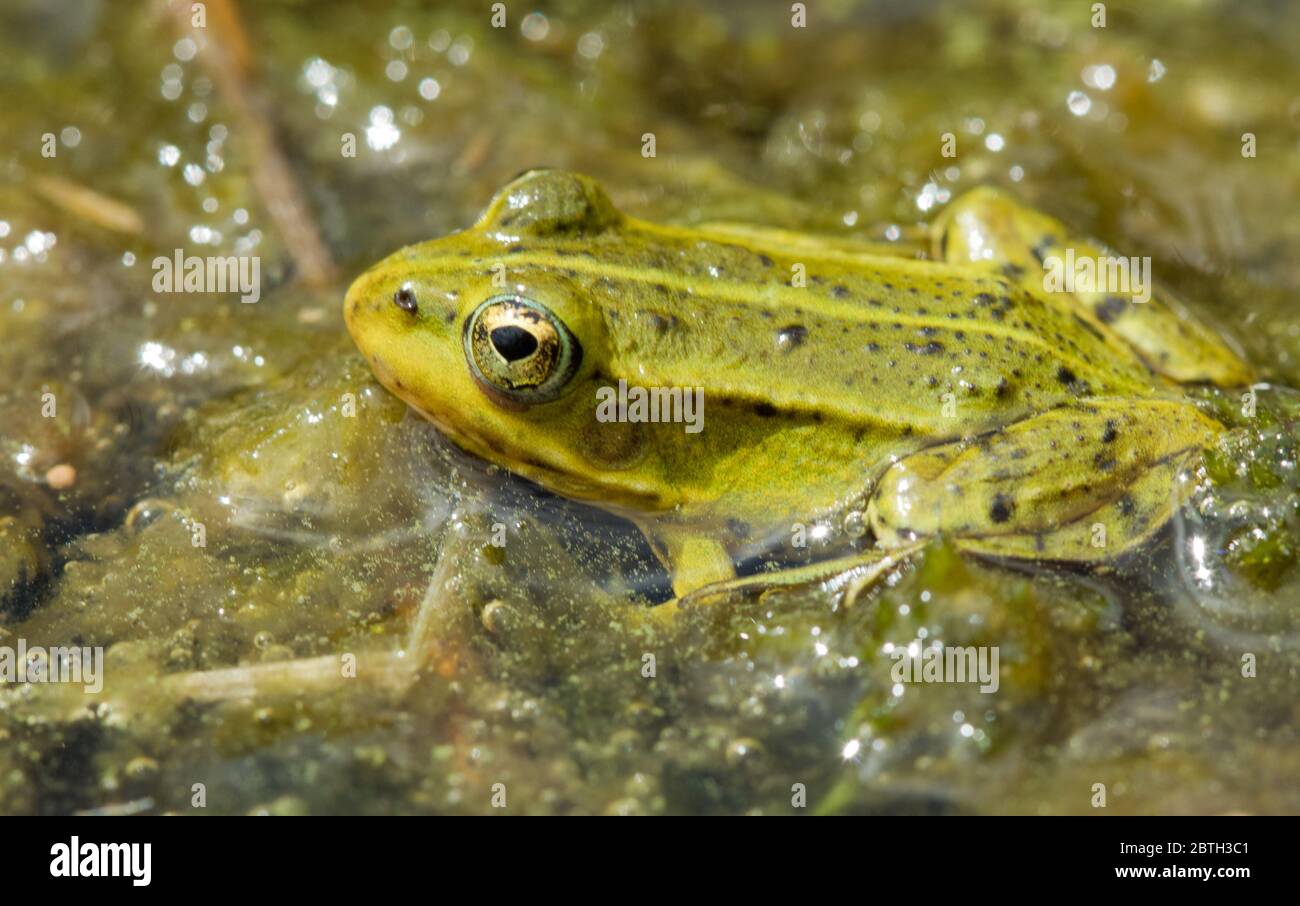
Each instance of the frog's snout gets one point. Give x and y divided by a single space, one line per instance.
359 295
350 300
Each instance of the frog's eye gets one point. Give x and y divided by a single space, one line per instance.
519 350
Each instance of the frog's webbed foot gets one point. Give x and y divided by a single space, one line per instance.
987 226
1079 484
703 573
847 577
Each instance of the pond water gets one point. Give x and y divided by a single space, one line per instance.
293 580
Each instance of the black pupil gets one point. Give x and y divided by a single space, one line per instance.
513 343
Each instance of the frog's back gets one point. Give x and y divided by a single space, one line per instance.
915 347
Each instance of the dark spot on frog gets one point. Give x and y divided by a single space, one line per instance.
1109 435
1090 327
1002 508
840 291
738 529
1103 463
661 324
931 348
791 337
1070 381
515 249
765 261
1014 271
1126 505
764 410
1109 309
1044 246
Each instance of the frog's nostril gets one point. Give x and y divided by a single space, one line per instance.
405 299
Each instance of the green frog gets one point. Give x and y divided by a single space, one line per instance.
908 394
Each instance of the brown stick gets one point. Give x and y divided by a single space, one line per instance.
226 58
91 206
305 676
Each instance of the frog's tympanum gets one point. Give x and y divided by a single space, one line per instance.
954 395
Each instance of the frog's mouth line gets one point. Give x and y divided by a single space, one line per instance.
620 500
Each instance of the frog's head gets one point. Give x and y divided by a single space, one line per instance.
493 338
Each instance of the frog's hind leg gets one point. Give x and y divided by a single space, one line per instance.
1079 484
1107 291
1116 527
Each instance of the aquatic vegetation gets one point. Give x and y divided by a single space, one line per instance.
310 601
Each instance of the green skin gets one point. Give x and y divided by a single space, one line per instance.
952 395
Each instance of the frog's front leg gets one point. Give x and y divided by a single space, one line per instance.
692 559
1079 484
703 573
987 226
